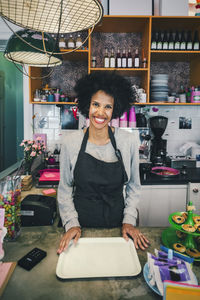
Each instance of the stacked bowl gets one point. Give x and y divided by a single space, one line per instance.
159 88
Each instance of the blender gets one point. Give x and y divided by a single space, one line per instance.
158 147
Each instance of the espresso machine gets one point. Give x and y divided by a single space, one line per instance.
158 147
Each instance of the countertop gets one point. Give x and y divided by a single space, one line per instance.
192 175
41 282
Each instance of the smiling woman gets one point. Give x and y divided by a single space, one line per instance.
98 163
11 114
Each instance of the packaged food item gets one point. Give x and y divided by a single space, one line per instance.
162 268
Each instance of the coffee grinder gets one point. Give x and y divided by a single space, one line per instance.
158 147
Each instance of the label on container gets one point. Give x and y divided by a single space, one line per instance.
159 46
106 62
196 46
171 46
119 62
177 46
130 62
70 45
112 62
153 46
189 46
27 213
123 62
62 45
78 44
183 46
165 46
137 62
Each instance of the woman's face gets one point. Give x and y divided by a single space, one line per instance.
101 109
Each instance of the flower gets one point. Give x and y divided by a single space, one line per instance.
32 149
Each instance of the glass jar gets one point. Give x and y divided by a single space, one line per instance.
10 200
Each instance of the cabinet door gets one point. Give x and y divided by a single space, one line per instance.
157 202
194 195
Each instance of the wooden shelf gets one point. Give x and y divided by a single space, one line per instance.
165 103
122 24
76 55
123 71
49 103
171 55
143 26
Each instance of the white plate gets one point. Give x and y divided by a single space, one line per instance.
98 257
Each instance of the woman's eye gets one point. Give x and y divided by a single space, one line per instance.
108 107
95 104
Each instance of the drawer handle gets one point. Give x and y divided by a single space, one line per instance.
195 190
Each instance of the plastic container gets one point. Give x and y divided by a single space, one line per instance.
195 97
10 200
132 118
115 122
123 122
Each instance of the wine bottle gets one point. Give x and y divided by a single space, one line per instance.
62 44
183 41
196 41
130 59
171 41
124 59
112 59
177 41
70 42
159 41
106 59
189 43
165 41
78 41
118 59
136 59
154 41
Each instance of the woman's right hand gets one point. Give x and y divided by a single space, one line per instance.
72 233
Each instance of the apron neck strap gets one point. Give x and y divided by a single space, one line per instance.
112 139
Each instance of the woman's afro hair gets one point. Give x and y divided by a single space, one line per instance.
112 84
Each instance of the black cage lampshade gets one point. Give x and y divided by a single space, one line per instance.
32 48
52 16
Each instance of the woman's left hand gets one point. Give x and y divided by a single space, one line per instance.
139 239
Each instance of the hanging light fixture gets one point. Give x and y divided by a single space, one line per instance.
32 48
52 16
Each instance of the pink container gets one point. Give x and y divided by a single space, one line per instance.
195 97
123 122
115 122
132 117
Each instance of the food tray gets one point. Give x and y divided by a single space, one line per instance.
97 258
169 237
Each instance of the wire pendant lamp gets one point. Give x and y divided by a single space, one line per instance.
52 16
32 48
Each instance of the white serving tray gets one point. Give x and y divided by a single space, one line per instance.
98 257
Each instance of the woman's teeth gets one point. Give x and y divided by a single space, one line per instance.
99 120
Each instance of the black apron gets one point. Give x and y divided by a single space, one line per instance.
98 188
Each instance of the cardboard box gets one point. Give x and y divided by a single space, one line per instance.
174 8
130 7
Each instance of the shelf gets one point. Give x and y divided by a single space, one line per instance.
177 22
68 54
171 55
122 24
166 103
49 103
123 71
